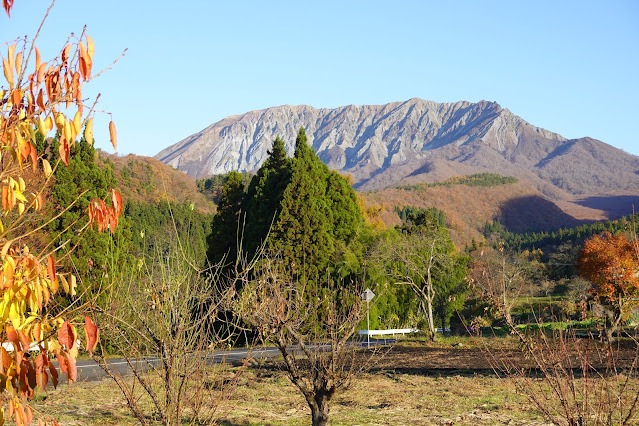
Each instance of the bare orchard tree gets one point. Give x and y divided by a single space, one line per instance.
312 327
499 279
160 314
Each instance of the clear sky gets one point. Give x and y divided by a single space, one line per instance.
571 67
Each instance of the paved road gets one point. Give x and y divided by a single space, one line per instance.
89 371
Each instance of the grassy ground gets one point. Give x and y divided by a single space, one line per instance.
267 397
416 383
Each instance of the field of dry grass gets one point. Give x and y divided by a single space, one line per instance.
415 383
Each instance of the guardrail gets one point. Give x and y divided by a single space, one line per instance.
392 331
395 331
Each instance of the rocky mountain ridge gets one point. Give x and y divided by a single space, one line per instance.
410 142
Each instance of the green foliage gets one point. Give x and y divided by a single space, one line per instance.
155 227
404 255
80 182
212 186
410 213
574 235
478 179
303 232
264 196
226 229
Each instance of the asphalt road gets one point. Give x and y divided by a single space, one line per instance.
89 371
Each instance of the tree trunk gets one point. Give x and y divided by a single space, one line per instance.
319 409
431 322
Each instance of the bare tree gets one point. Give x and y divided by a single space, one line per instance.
311 327
572 379
499 280
160 314
417 259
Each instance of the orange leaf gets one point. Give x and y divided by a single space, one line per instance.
64 151
41 69
12 336
66 335
24 340
67 366
51 269
116 200
91 333
113 134
19 63
37 61
40 101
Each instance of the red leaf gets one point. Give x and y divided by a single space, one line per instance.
67 366
91 333
54 375
64 150
62 362
51 269
7 4
66 335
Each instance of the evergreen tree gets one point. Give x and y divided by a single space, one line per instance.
81 181
303 232
226 229
265 195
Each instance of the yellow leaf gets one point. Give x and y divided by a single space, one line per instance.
42 126
74 285
49 123
46 167
21 185
20 208
19 196
59 121
90 46
8 73
65 284
10 53
19 63
68 131
15 315
88 131
77 123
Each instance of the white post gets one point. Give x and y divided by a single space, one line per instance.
368 327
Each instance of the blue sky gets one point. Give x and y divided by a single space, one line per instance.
571 67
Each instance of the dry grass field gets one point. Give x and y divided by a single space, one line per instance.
414 383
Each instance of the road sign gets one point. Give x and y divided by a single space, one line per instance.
368 295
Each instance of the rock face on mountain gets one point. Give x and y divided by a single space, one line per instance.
411 142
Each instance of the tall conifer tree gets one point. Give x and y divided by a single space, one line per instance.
264 196
302 235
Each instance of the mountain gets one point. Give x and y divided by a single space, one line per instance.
410 142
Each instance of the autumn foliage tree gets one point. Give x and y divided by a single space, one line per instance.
611 264
39 96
